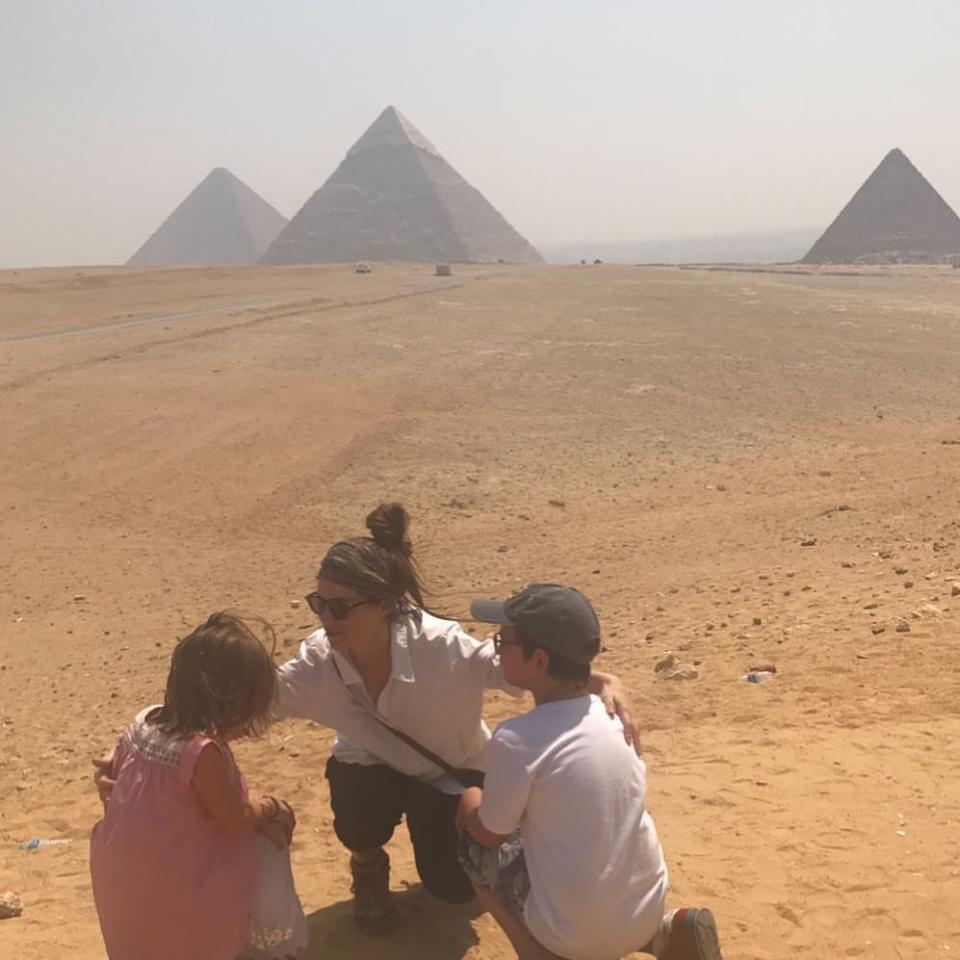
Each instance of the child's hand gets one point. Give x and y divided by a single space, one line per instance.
276 833
279 827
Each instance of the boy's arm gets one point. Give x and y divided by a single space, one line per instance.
468 817
492 814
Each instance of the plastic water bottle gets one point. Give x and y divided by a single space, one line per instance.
36 844
758 676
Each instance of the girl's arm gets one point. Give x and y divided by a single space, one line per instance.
103 776
219 797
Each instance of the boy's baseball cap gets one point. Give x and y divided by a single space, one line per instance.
559 619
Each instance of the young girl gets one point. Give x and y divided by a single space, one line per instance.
184 863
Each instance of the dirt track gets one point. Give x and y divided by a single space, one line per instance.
668 440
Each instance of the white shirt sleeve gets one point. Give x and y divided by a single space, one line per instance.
300 683
484 662
507 784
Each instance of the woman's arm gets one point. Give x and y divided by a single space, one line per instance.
617 701
301 683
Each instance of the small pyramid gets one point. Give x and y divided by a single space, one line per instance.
895 217
221 221
394 197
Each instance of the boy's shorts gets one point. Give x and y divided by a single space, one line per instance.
503 871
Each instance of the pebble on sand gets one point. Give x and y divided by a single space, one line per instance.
10 905
670 668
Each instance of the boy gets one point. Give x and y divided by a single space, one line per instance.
558 843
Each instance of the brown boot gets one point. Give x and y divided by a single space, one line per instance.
373 910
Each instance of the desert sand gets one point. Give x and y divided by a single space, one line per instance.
741 468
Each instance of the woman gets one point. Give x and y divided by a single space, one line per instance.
396 683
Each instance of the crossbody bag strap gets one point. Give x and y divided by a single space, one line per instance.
434 758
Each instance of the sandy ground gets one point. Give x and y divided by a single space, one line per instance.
669 440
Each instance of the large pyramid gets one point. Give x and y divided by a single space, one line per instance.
395 198
221 221
895 217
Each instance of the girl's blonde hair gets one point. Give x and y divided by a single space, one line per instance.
222 680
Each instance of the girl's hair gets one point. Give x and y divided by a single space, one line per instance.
222 680
380 565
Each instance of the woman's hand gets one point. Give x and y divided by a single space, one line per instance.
103 777
617 701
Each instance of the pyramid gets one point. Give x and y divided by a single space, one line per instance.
895 217
221 221
395 198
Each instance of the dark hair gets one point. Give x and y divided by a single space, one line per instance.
558 667
380 565
222 680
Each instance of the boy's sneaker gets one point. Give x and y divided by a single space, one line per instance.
373 909
692 936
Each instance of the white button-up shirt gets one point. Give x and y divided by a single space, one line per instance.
434 694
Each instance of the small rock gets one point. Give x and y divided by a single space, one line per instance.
757 621
10 905
872 605
721 488
877 629
502 548
680 671
668 661
79 597
670 668
903 627
907 584
295 604
556 503
955 590
900 571
846 564
811 542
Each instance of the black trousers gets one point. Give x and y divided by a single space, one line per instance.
369 802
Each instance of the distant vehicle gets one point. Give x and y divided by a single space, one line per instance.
363 268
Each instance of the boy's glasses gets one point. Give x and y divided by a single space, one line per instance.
499 643
338 608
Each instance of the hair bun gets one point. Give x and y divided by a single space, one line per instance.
388 524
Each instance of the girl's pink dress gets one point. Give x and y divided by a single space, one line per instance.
168 883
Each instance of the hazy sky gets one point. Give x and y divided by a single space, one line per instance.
594 119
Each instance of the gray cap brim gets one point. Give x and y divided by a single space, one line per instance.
489 611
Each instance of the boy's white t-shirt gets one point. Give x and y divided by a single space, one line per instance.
565 776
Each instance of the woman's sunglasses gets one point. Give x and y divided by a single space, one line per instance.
338 607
